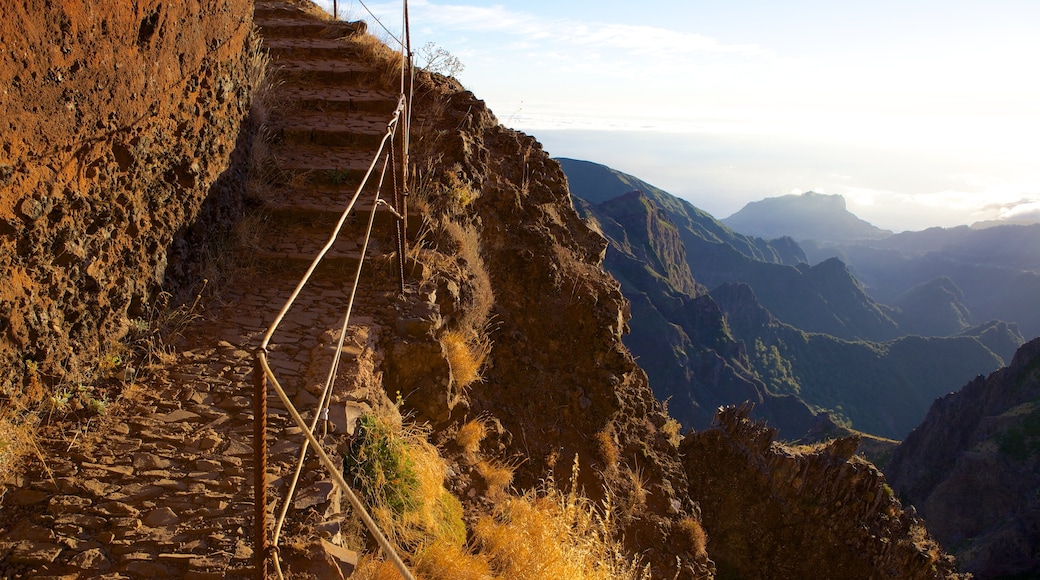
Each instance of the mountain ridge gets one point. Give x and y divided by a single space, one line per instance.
809 216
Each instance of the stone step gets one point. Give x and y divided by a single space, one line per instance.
293 206
329 98
289 27
290 48
331 128
317 72
326 166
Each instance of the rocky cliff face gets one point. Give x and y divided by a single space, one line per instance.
560 381
115 120
972 469
774 511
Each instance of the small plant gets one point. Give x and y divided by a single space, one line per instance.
469 437
608 450
465 356
152 336
692 535
401 477
673 431
496 476
380 468
337 176
437 59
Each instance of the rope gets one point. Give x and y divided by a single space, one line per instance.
401 112
335 233
384 544
380 23
334 368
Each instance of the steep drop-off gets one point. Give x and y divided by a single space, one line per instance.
972 469
115 120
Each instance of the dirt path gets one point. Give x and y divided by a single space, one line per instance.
165 490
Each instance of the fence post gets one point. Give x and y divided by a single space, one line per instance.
260 544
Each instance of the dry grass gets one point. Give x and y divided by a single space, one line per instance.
608 450
554 535
692 533
465 355
401 476
497 477
469 437
17 441
537 536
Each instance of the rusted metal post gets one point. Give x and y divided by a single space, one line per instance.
260 545
406 142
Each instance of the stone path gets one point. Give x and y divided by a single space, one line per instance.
165 490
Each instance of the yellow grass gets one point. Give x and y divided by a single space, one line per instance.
496 476
469 437
553 536
465 356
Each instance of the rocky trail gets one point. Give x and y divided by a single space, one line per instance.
163 487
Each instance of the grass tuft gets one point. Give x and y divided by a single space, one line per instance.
465 355
551 534
469 437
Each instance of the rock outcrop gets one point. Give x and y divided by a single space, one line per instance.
115 120
773 511
972 469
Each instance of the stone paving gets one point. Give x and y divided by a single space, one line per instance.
164 487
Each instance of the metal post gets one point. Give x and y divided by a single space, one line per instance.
335 10
260 544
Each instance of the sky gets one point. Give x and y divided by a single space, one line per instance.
920 113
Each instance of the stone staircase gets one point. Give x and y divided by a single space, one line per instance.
163 487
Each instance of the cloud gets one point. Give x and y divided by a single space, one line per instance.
582 34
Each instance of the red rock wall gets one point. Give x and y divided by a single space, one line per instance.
115 119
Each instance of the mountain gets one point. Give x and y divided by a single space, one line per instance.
824 298
809 216
597 183
882 388
972 469
702 350
933 308
996 270
678 333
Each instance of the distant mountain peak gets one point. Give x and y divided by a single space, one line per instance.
808 216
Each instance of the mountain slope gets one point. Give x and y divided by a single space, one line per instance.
997 270
972 469
678 333
883 388
823 299
809 216
699 356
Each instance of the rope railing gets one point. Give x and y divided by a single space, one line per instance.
264 376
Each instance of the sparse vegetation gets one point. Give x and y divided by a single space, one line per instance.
693 535
437 59
465 355
496 476
469 437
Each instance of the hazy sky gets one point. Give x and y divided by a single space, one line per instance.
920 113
